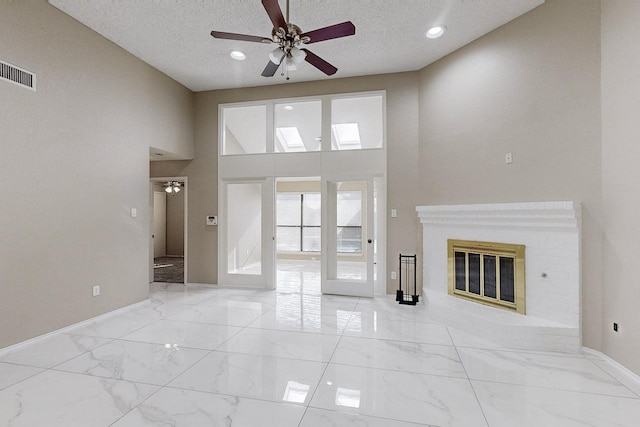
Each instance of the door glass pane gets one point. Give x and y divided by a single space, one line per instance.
349 208
245 130
356 123
350 214
350 240
298 126
244 230
349 221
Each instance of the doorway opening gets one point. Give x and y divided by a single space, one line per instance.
168 230
330 248
298 234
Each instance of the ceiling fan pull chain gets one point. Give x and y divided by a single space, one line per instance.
287 12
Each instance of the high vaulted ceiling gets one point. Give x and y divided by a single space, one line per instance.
174 35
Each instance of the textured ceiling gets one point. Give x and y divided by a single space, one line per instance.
174 35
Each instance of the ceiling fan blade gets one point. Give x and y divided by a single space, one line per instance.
332 32
275 14
270 69
319 63
241 37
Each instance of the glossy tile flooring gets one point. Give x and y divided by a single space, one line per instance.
203 356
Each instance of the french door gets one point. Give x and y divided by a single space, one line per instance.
349 236
247 257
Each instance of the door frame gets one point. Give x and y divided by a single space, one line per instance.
267 278
185 188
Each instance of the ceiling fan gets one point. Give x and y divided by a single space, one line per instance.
289 38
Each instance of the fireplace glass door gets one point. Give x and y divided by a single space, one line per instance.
488 272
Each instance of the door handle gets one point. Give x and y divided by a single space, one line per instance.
369 241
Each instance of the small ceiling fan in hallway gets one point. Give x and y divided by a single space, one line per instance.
289 38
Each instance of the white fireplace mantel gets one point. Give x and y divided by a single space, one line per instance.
550 232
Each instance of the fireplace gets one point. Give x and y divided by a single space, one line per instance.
460 262
487 273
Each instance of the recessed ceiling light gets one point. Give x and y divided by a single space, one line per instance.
288 107
238 56
436 31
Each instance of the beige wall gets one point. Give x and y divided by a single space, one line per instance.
175 224
530 88
159 233
74 162
402 138
620 178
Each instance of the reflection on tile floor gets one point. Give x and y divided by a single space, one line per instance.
207 356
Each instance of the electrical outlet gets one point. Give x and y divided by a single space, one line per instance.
96 290
508 158
615 327
393 275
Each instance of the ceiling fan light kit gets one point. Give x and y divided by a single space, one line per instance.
290 39
172 187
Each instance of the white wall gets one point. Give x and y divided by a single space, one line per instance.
76 155
620 178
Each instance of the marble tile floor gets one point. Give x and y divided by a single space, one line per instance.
207 356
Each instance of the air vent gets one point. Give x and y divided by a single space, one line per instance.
17 75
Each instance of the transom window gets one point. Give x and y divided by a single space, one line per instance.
325 123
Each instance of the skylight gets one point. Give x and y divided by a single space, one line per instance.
347 136
290 139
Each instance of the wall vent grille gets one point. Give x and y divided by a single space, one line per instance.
17 75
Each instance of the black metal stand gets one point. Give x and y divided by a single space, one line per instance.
408 271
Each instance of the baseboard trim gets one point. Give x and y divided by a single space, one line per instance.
74 325
615 369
